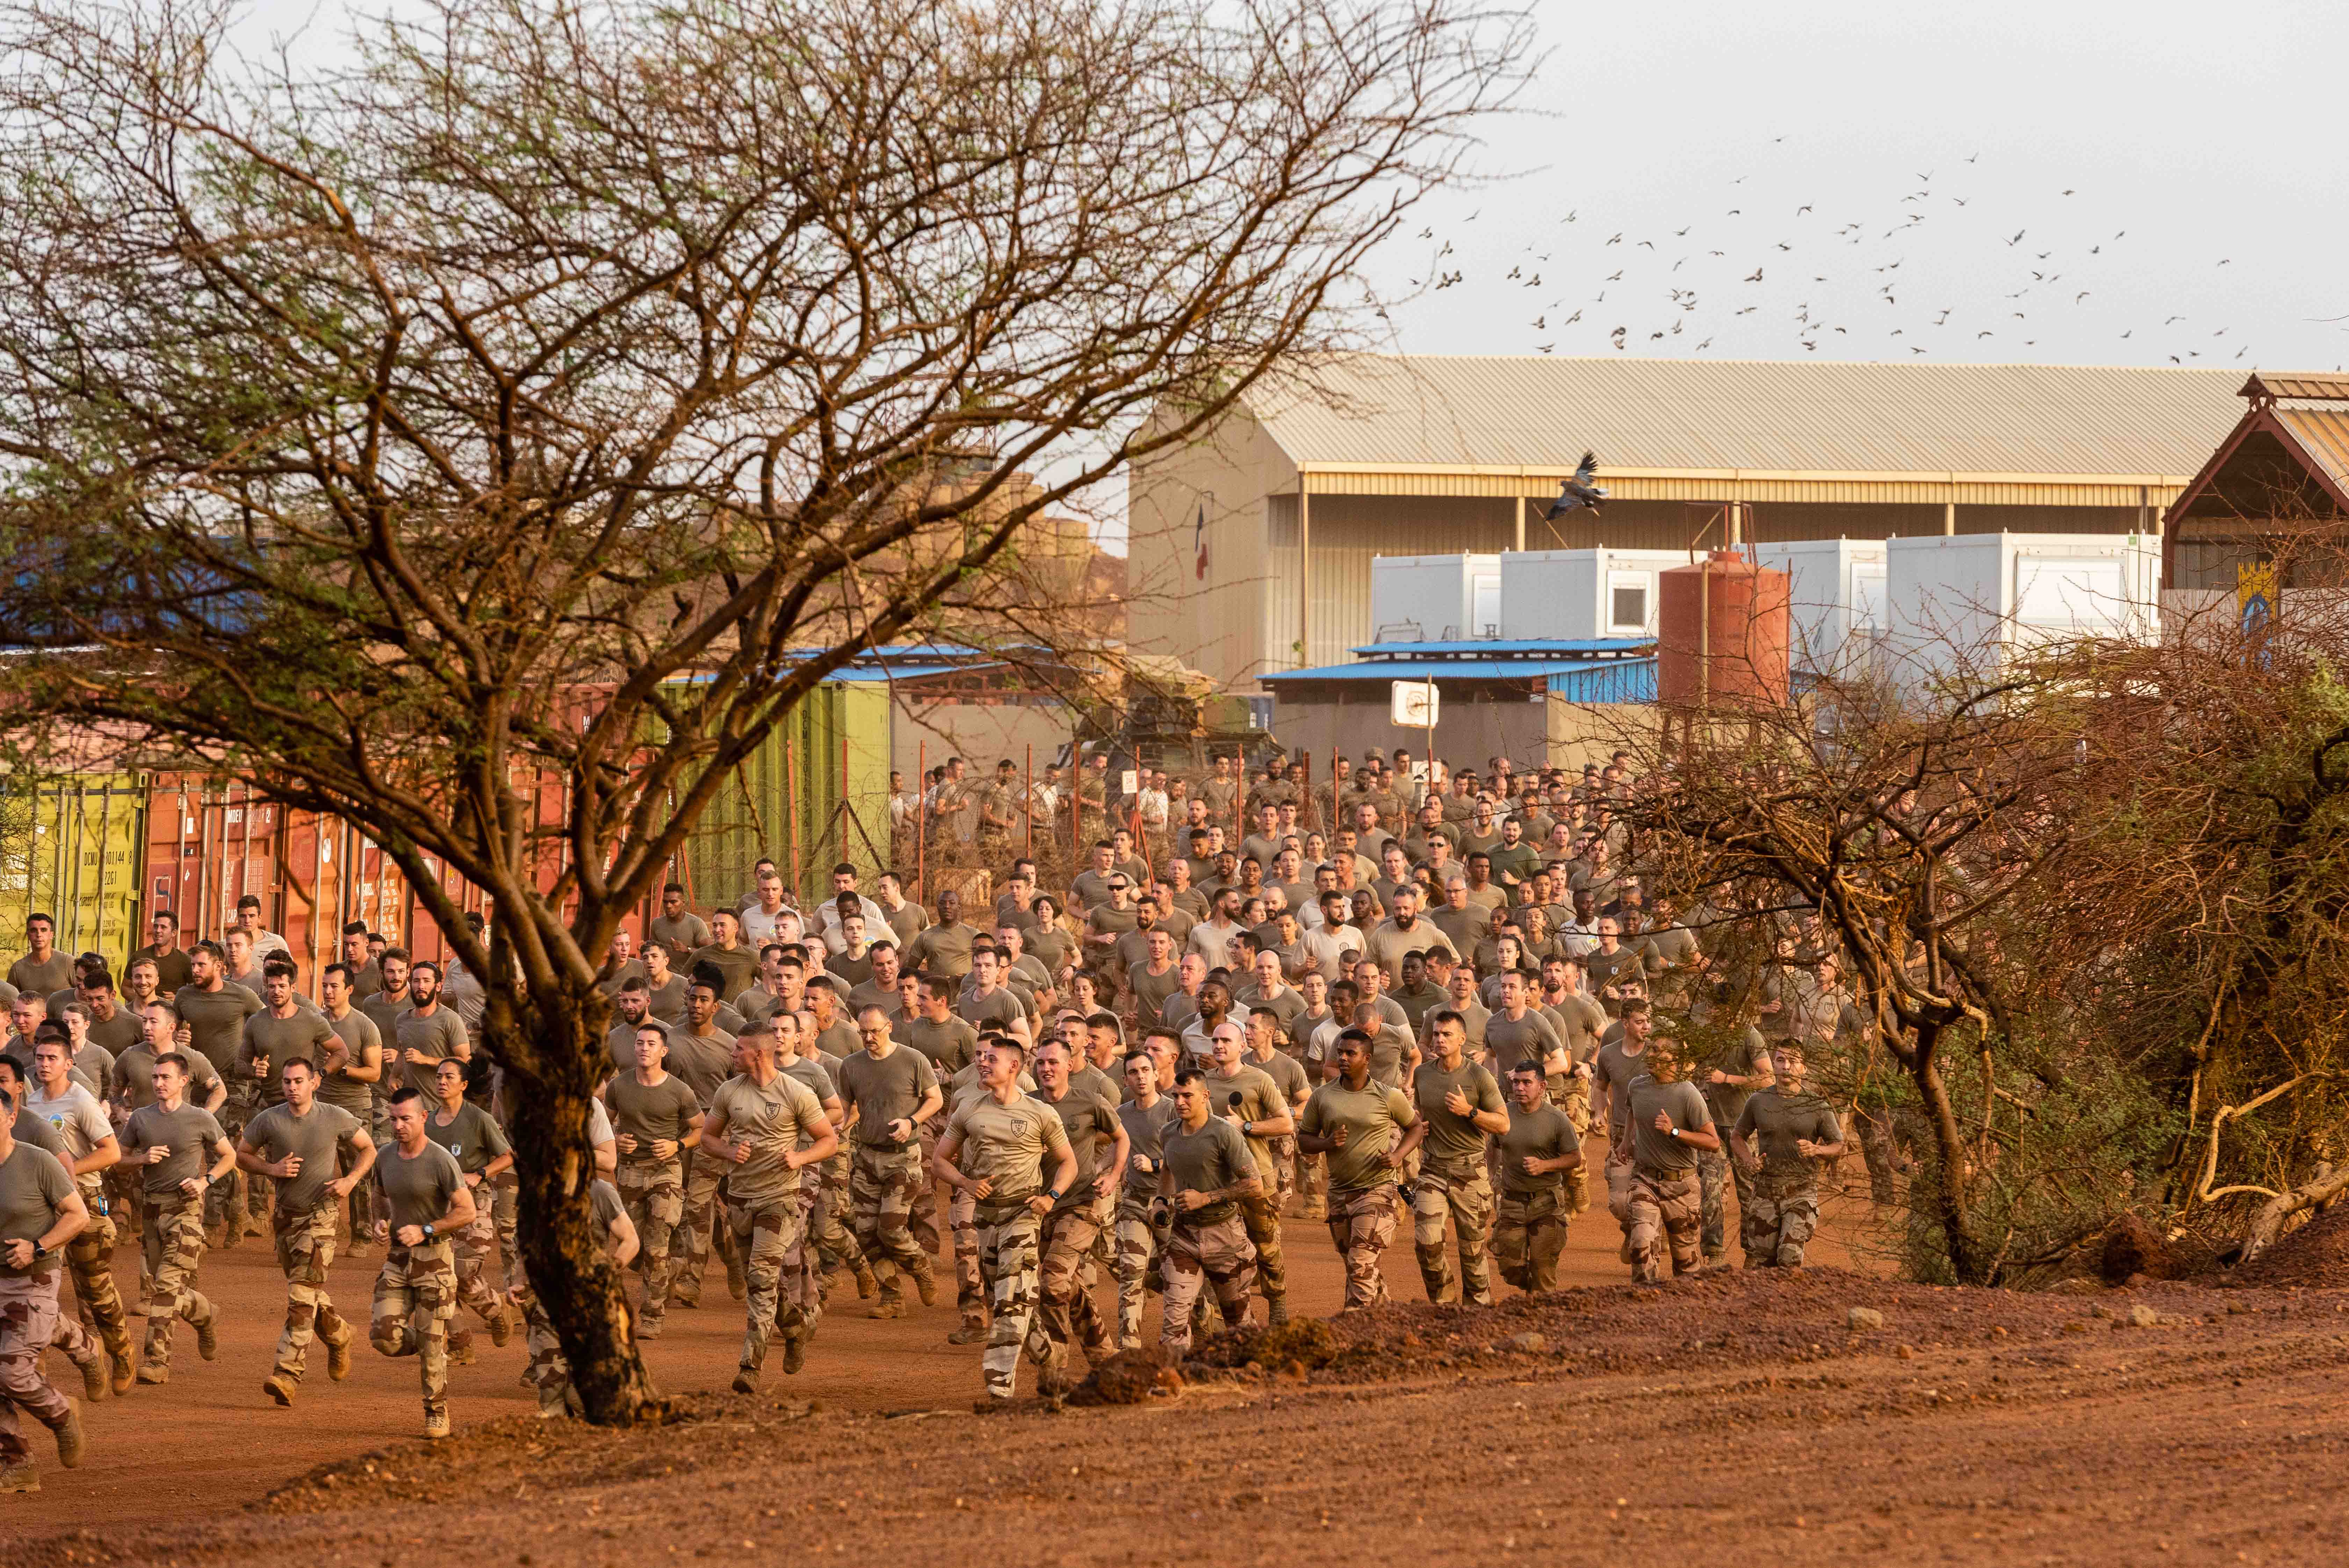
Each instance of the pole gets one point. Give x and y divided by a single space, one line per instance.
1521 524
1028 802
104 825
1304 577
791 817
922 819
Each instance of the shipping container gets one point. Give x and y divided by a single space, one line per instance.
71 848
1550 596
1836 591
815 792
1435 598
1957 606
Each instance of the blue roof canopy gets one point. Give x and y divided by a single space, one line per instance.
1487 648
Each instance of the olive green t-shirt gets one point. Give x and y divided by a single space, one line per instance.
1542 1133
215 1021
1374 1118
189 1132
33 1183
318 1137
1260 1098
38 979
1213 1157
739 965
942 950
1743 1054
418 1191
277 1041
134 1076
1780 1119
881 1090
358 1035
703 1061
1091 1125
1655 1150
949 1045
1005 1144
437 1037
1145 1135
648 1111
1453 1140
1528 1039
471 1137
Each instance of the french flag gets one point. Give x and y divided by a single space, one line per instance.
1200 540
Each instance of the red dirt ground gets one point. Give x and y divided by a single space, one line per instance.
1731 1413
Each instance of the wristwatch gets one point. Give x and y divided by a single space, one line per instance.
428 1233
1673 1134
1053 1193
39 1251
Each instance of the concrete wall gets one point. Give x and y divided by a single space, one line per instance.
1466 729
980 734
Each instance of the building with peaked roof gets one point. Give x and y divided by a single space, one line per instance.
2281 474
1250 551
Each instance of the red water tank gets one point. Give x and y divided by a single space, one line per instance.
1721 634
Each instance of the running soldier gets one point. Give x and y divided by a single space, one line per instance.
1459 1108
656 1122
951 1045
1668 1125
40 1213
1253 1101
1208 1171
478 1146
317 1153
425 1200
1066 1239
171 1138
353 1066
1144 1116
764 1127
91 1147
1783 1137
1738 1065
1358 1125
1006 1135
890 1093
1619 1062
1540 1146
704 1056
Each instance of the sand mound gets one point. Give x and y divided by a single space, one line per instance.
2316 1255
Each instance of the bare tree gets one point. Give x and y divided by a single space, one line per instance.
486 440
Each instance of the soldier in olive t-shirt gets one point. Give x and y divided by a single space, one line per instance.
33 1186
190 1132
271 1041
319 1139
882 1090
215 1021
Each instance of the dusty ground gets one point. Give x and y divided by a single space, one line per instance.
1734 1413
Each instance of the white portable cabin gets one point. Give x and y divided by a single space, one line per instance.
1435 598
1836 588
1959 604
1573 595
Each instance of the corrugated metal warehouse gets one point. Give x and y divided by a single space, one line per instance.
1275 519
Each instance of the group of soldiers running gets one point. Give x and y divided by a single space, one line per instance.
1415 1017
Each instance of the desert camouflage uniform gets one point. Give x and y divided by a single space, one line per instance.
505 1209
28 1321
828 1222
1464 1193
771 1236
173 1248
90 1258
1528 1234
1285 1163
1713 1198
1362 1226
1778 1220
1219 1255
881 1187
469 1246
691 1240
305 1252
1065 1310
970 1290
1137 1245
1665 1211
1005 1236
234 1194
1573 1097
924 1224
1308 1177
1260 1213
415 1297
652 1192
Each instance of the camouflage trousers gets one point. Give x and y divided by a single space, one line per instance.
505 1211
1136 1243
1007 1238
90 1258
237 1192
306 1251
691 1237
1065 1311
1666 1210
1462 1194
1261 1215
28 1320
1528 1234
970 1292
173 1248
1362 1227
1285 1161
469 1246
1576 1102
415 1297
1777 1220
653 1194
1308 1177
1717 1174
828 1225
1217 1255
881 1181
771 1234
929 1234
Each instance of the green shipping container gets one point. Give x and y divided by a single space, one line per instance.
73 847
816 793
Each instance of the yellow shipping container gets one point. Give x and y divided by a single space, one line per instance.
73 847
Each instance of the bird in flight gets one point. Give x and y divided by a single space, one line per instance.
2018 236
1576 493
1757 277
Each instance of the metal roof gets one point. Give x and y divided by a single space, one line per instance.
1619 680
2323 388
1440 670
1751 418
1472 647
2323 435
868 673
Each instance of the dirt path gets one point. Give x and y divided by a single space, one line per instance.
210 1441
1735 1417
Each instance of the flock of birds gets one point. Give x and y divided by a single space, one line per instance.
1857 287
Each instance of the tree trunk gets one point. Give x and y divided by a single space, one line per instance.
552 1055
1966 1264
